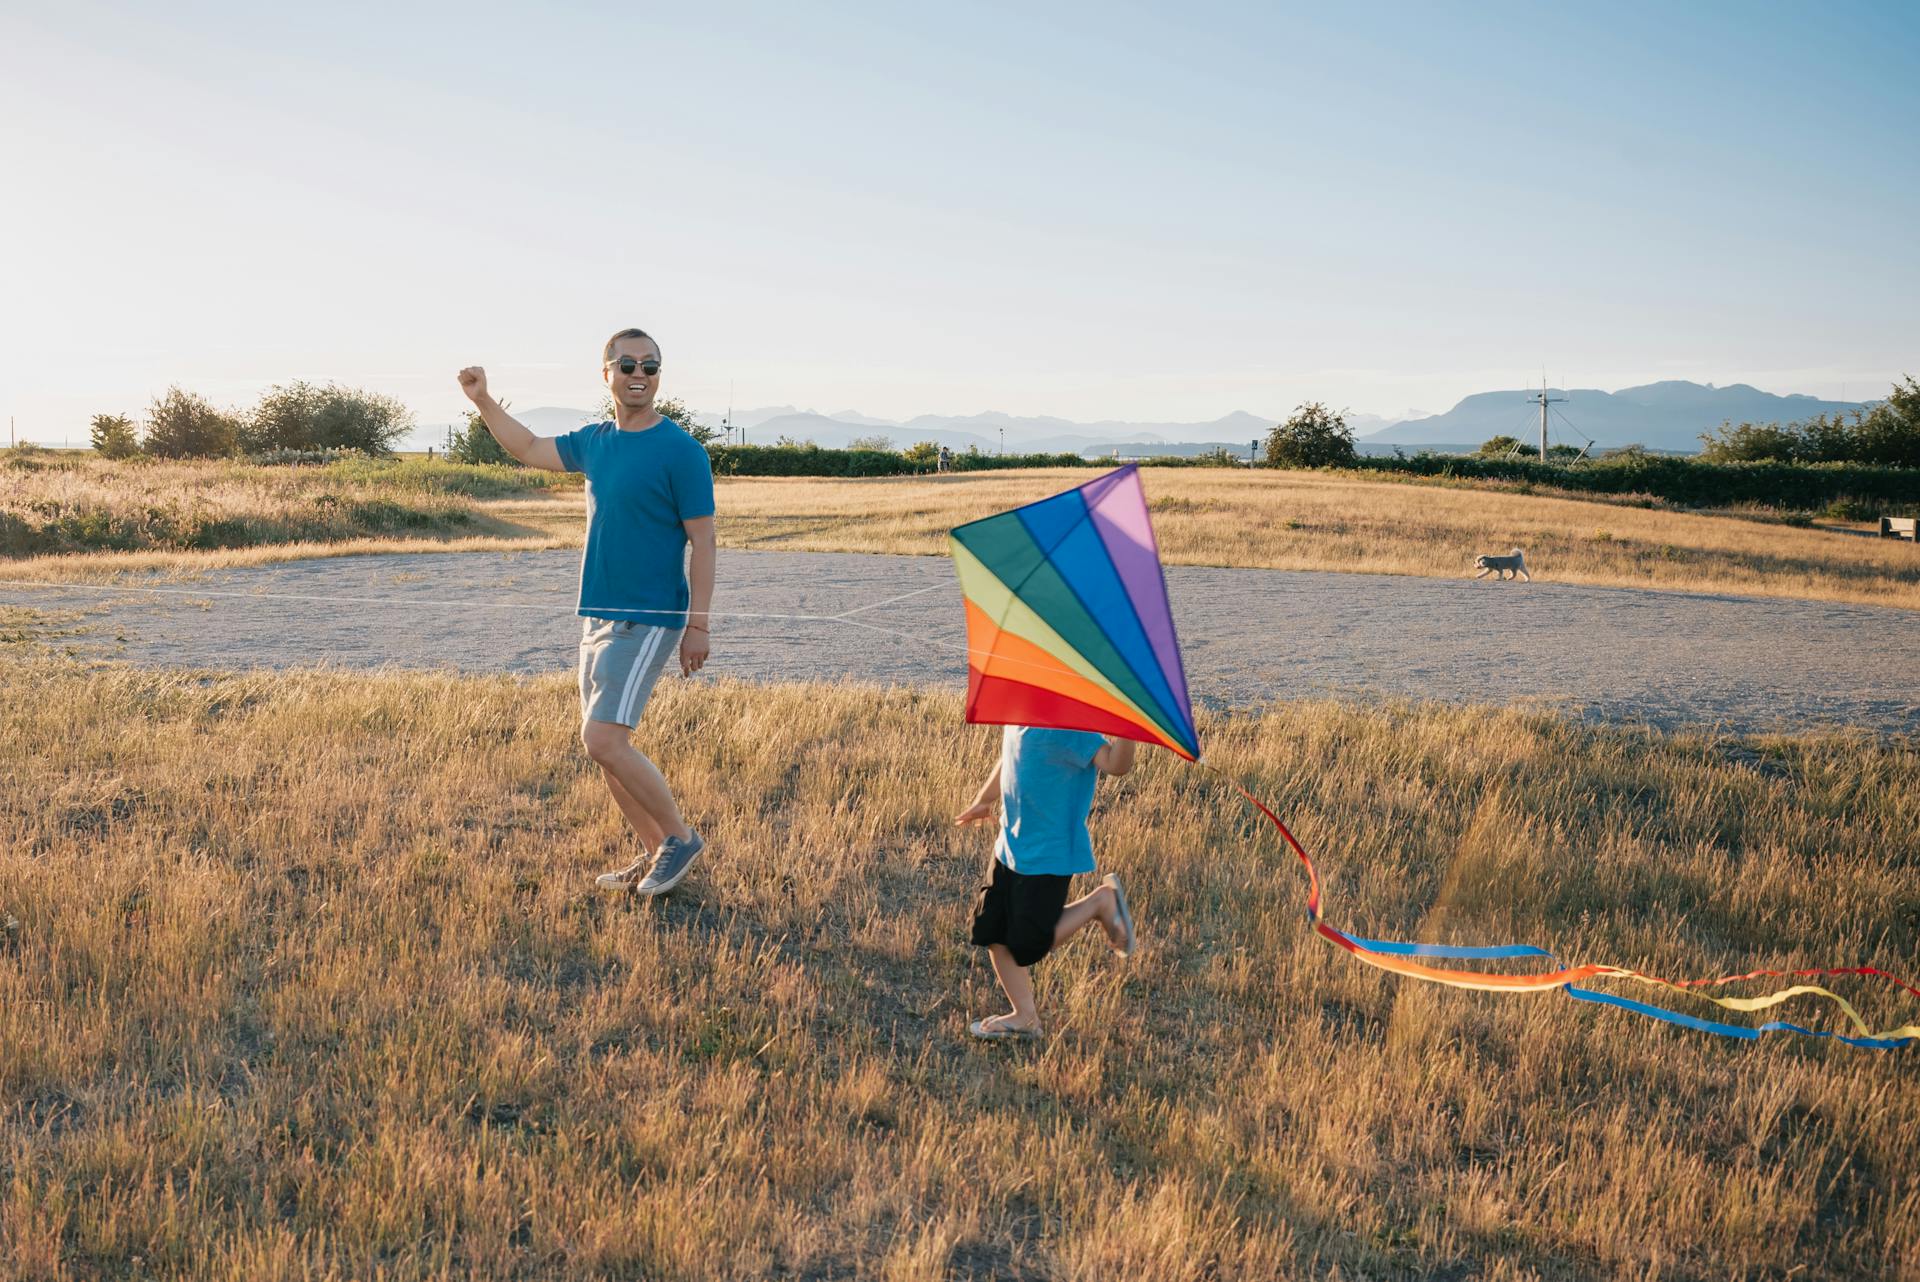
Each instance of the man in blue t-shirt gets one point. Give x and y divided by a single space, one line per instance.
649 499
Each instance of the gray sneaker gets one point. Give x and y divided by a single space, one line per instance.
671 864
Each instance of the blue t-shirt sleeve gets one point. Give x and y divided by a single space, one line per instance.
568 447
1085 749
692 480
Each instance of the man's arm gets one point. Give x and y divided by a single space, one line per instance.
515 437
698 639
982 808
1116 757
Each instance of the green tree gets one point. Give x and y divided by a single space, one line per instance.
1314 437
682 413
1501 446
182 424
1751 443
301 416
1889 433
473 443
1826 439
114 436
923 453
874 442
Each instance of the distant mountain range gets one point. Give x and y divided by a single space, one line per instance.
1662 416
986 432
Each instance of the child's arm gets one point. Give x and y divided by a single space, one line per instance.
982 808
1116 758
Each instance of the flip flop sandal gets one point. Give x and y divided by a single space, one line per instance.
989 1031
1126 914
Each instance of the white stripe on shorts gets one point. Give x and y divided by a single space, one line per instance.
647 652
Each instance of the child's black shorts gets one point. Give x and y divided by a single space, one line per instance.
1020 910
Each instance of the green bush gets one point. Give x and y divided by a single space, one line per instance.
182 424
300 416
474 443
114 436
1314 437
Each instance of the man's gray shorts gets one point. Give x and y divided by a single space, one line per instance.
619 662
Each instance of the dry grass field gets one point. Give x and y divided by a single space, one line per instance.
302 976
1336 521
222 514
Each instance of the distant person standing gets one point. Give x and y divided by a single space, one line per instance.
946 460
649 498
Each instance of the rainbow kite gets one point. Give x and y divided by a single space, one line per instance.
1068 626
1067 618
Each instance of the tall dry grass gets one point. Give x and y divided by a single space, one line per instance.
309 981
58 505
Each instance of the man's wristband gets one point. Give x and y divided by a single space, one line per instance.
694 627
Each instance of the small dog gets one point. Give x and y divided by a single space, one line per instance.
1512 565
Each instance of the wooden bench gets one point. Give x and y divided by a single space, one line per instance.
1900 527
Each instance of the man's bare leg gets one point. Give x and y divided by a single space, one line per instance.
643 824
645 786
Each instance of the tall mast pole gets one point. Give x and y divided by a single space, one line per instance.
1544 400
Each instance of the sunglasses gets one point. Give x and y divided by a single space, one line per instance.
628 364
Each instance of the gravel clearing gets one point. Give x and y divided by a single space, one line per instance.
1250 636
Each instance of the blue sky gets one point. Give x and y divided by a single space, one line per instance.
1147 212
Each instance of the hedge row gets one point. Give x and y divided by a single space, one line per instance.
1689 482
1686 481
811 460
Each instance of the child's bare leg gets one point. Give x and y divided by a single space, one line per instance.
1017 982
1099 906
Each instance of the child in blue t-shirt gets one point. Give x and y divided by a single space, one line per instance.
1044 782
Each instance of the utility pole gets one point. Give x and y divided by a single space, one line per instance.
1543 400
1003 441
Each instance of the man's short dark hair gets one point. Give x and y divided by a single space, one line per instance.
627 333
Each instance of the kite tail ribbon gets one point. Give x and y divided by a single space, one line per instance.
1397 958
